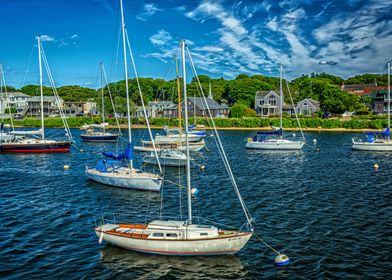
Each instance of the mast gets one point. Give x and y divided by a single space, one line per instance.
389 98
179 102
103 105
281 98
126 78
41 89
188 166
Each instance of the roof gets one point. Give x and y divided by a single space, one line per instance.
46 99
263 94
199 103
313 102
13 94
357 87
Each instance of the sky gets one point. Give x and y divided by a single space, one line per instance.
226 38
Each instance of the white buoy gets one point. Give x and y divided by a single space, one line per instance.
294 135
194 191
281 260
202 167
66 167
314 141
375 166
212 135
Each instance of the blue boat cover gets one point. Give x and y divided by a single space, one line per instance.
101 166
386 132
127 154
274 132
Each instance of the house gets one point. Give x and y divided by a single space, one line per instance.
197 106
80 108
157 109
17 100
307 107
50 106
267 103
379 102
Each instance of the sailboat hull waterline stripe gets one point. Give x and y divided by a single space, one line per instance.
57 147
99 138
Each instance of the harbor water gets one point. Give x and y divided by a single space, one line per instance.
325 207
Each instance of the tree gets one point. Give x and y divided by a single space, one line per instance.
240 110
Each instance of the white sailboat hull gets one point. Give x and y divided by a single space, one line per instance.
172 139
382 146
180 247
193 147
165 161
278 144
136 181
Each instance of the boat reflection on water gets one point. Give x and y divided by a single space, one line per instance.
133 264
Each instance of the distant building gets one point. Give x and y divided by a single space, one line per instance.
17 100
267 103
379 102
361 89
85 108
157 109
307 107
50 106
197 106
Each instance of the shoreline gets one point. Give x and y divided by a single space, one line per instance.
306 129
261 128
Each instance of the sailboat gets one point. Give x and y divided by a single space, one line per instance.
274 140
377 141
24 143
171 156
119 171
97 132
180 238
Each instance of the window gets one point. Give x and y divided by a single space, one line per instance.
305 104
158 234
171 234
203 234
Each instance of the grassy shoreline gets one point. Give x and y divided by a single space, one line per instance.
355 124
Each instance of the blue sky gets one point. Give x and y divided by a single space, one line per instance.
227 38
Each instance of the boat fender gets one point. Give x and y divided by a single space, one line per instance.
249 140
194 191
281 260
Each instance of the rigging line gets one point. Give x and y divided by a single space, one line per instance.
28 64
292 103
111 99
57 98
224 158
141 99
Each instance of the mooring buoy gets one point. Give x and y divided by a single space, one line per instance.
281 260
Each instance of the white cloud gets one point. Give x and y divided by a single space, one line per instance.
75 36
46 38
209 49
148 10
161 38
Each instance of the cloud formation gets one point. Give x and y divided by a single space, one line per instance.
46 38
148 10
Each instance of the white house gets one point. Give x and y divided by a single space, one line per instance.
267 103
17 100
307 107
